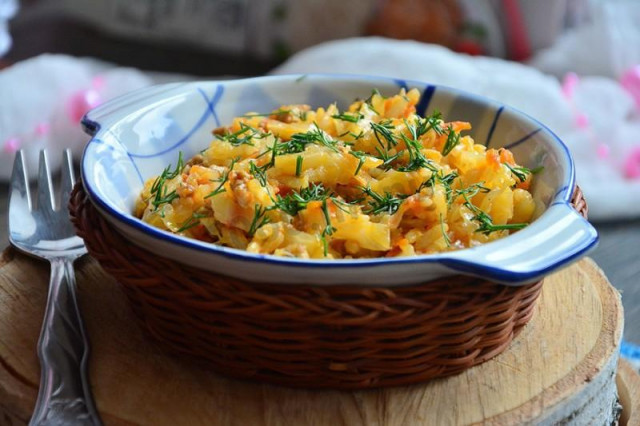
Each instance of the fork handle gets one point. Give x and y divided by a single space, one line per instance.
63 349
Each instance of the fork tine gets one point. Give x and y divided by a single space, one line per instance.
68 178
45 192
19 180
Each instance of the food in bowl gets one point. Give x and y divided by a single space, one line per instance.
136 136
374 180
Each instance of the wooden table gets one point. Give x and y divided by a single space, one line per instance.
561 365
618 254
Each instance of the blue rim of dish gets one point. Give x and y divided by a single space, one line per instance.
448 259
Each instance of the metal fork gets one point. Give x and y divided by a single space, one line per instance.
44 230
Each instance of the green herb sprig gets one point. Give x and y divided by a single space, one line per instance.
361 156
447 240
453 139
417 160
486 223
329 229
258 172
352 118
266 114
159 187
470 191
445 180
386 203
522 173
299 160
296 201
433 122
299 141
194 220
224 178
259 219
387 159
369 101
243 136
384 131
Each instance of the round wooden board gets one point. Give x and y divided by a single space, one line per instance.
628 382
555 368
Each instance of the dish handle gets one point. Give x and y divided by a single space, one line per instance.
561 235
103 116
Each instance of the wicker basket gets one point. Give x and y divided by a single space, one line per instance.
342 337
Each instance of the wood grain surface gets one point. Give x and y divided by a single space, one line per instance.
628 381
562 356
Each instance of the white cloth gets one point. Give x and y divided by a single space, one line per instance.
37 91
607 46
8 9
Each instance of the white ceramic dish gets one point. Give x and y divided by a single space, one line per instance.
137 135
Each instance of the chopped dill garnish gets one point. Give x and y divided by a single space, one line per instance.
274 154
384 130
486 223
386 158
349 117
296 201
342 205
274 150
194 220
259 219
361 159
418 128
299 141
522 172
433 123
368 101
470 191
325 244
358 136
446 181
447 240
222 180
386 203
258 172
279 111
159 188
417 160
220 189
178 169
162 197
241 137
453 139
328 230
298 165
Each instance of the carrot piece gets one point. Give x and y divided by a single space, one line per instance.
493 159
506 156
